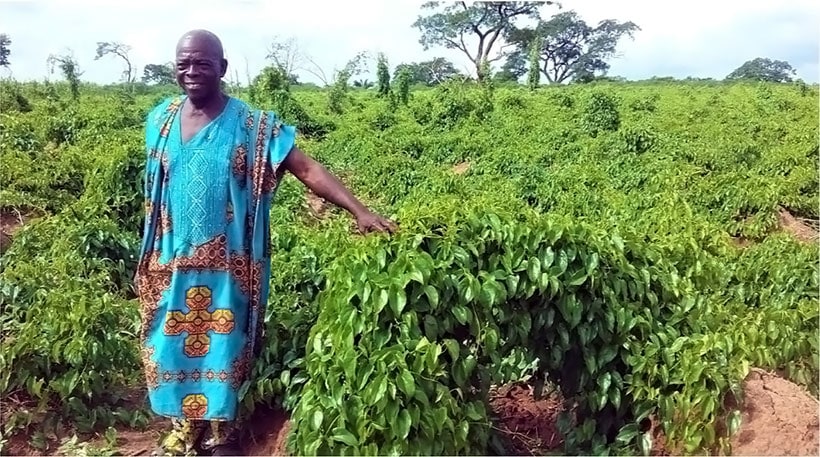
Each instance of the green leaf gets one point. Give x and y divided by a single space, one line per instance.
461 313
453 348
607 354
491 340
512 284
577 278
677 345
403 425
381 300
733 422
397 299
472 413
341 434
592 262
604 381
589 359
466 290
645 443
416 275
548 258
432 295
627 434
431 327
615 397
534 268
406 383
318 418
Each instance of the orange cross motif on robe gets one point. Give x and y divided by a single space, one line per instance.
199 321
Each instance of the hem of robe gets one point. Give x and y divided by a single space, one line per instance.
163 413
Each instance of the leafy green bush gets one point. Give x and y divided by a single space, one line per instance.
411 333
600 114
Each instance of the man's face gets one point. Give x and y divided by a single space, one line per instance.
199 68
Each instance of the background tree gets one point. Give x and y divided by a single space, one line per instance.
5 50
402 84
534 73
514 67
121 50
363 83
338 92
568 46
452 26
430 72
70 69
159 73
288 56
383 74
764 69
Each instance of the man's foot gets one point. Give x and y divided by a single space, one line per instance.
182 440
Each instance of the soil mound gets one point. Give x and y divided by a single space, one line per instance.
778 417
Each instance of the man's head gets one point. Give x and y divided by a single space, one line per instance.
200 64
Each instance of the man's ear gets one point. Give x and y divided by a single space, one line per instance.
224 67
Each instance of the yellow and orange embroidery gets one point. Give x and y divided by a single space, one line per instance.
194 406
199 321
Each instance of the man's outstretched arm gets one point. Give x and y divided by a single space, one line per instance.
325 185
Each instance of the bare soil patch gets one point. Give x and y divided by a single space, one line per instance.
778 417
805 230
527 425
269 428
10 222
461 168
317 206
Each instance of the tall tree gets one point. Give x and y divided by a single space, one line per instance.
453 25
121 50
568 47
159 73
5 50
383 74
764 69
70 68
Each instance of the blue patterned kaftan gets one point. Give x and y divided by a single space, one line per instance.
203 273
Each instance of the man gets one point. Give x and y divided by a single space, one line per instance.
213 166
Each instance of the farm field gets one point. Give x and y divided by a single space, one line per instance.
632 252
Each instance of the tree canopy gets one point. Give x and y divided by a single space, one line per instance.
429 72
764 69
159 73
453 25
567 46
5 50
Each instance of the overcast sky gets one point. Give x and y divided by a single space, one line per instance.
699 38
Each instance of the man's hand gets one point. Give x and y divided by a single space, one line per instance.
370 222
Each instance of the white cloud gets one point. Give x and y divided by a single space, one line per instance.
706 38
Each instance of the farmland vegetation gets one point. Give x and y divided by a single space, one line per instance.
620 241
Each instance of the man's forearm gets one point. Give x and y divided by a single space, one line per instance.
327 186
